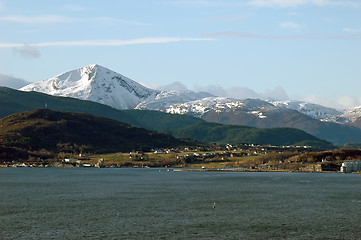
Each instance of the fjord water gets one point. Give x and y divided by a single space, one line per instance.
78 203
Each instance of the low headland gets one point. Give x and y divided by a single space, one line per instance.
248 157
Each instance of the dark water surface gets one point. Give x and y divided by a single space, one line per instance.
85 203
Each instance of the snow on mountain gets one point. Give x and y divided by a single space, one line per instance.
219 104
352 114
164 99
97 84
316 111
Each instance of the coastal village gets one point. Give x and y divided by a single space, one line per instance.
246 157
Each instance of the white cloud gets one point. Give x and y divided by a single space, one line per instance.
105 43
291 37
277 93
27 51
297 3
251 35
173 86
51 19
243 92
75 8
232 18
114 21
352 30
36 19
337 101
291 26
207 3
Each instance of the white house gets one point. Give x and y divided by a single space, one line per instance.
351 166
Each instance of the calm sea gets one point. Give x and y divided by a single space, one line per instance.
86 203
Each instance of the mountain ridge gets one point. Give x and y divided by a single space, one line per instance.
326 123
99 84
95 83
18 101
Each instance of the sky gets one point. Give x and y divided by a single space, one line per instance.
283 49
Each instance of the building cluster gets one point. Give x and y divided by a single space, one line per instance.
351 166
79 163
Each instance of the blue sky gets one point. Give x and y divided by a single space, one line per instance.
295 49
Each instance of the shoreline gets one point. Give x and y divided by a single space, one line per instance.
169 169
250 170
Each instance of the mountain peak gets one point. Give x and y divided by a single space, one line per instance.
95 83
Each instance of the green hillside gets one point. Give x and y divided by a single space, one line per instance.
220 133
13 101
45 130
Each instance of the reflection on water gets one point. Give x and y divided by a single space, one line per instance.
59 203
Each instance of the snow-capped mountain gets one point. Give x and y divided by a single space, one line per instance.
165 99
352 114
315 111
218 104
97 84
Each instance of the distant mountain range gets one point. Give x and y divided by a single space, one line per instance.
98 84
181 126
12 82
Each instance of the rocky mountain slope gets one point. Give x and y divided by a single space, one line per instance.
186 126
315 111
97 84
165 99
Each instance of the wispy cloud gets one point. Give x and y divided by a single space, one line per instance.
297 3
114 21
292 37
100 43
244 92
251 35
352 30
267 3
293 14
27 51
50 19
206 3
232 18
75 7
36 19
335 101
292 26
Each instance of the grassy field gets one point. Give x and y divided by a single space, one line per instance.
251 158
189 159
